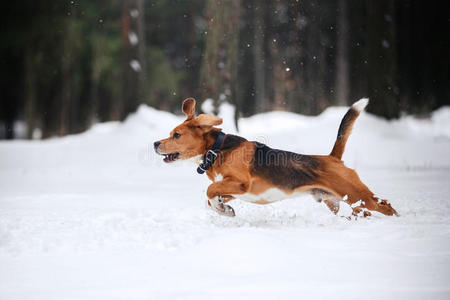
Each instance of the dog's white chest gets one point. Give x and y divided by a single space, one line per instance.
218 177
269 196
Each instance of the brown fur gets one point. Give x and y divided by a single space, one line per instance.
253 168
345 129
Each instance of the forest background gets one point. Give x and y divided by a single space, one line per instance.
66 65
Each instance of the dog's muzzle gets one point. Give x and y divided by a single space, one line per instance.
168 157
156 146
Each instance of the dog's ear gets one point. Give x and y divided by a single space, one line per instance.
189 108
207 121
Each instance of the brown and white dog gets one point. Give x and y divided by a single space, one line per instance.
254 172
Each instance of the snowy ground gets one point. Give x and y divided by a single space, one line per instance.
100 216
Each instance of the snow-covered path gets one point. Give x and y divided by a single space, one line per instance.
99 216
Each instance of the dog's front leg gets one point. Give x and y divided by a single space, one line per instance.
223 190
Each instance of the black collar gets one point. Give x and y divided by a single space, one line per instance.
210 156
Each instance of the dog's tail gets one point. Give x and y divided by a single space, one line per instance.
346 127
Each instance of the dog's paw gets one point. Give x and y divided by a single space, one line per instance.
228 211
360 211
217 205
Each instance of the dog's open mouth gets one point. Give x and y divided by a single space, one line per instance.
171 157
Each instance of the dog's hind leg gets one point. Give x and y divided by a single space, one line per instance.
345 183
331 200
372 203
363 201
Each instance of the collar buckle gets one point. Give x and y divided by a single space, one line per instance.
210 156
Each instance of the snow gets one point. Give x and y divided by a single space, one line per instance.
134 13
135 65
208 106
133 38
99 216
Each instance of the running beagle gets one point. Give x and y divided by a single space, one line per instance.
254 172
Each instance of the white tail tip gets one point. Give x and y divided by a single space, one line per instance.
361 104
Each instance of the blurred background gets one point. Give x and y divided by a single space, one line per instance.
66 65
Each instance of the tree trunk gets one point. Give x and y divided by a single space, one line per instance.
66 92
219 68
382 59
140 26
259 62
342 59
133 56
30 93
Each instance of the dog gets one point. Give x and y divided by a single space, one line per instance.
256 173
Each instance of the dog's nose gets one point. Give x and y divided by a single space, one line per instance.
156 144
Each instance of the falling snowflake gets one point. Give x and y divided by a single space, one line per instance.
134 13
133 38
135 65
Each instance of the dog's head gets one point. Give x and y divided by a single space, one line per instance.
188 139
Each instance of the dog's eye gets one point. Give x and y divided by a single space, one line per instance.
176 135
